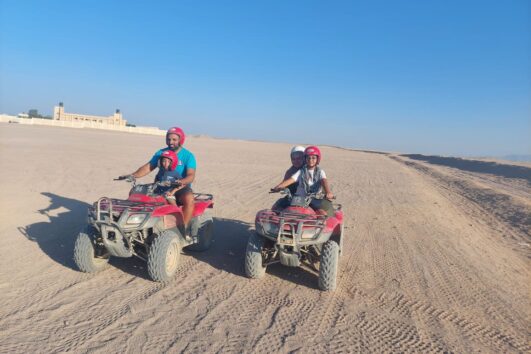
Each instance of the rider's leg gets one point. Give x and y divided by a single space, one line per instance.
171 201
322 207
187 200
281 204
328 207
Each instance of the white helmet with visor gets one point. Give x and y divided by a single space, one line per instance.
297 148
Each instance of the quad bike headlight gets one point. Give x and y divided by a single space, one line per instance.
309 234
135 219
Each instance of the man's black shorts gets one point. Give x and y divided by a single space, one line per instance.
181 192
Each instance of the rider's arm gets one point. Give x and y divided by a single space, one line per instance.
143 170
288 173
174 190
190 176
326 188
284 184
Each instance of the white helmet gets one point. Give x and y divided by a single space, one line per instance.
297 148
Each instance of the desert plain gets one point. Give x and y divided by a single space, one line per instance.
436 254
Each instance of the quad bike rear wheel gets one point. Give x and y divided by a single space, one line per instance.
85 252
328 265
163 256
254 263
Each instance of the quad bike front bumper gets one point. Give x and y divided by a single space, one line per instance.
114 240
114 226
292 229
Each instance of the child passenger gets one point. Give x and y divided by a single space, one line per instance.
311 179
168 174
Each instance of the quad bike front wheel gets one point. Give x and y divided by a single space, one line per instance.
163 256
85 252
254 265
328 265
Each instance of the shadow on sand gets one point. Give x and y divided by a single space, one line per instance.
295 275
502 170
57 236
229 241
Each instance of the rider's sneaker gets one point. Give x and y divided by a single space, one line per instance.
187 233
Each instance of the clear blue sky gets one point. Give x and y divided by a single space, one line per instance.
444 77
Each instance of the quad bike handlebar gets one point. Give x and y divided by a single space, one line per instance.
128 178
150 188
169 184
132 179
287 192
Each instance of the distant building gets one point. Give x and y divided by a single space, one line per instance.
23 115
114 120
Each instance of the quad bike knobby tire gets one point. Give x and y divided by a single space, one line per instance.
204 235
85 253
254 267
328 265
163 256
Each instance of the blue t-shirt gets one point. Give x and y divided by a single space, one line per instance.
166 176
186 160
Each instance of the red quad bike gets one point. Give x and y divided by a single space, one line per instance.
144 225
296 237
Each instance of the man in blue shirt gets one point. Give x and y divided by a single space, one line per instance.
186 167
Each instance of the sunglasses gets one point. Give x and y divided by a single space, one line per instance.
311 157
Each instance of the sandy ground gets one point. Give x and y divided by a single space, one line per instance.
436 255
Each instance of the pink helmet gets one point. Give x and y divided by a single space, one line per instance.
179 132
313 150
169 154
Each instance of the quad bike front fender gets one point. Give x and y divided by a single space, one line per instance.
171 216
333 230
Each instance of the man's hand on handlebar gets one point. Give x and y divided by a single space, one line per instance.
178 186
128 178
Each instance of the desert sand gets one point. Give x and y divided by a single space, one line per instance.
436 255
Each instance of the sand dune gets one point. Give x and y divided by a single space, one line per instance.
436 257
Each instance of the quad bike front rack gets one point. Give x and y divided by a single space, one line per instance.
112 234
293 227
98 208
